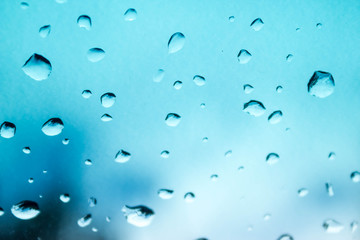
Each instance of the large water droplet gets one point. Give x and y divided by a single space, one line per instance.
65 198
285 237
166 193
86 94
172 119
332 226
7 130
329 189
37 67
25 210
244 56
130 15
189 197
107 99
272 158
199 80
106 118
257 24
139 216
321 84
159 75
275 117
95 54
355 176
122 156
248 88
176 42
302 192
85 221
44 31
254 108
53 127
84 21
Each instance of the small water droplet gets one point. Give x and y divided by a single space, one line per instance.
52 127
86 94
319 25
84 21
231 19
332 226
94 229
65 141
107 99
139 216
27 150
159 75
332 156
25 210
329 189
65 198
37 67
176 42
285 237
244 56
44 31
241 168
355 176
228 153
214 177
108 219
85 221
172 119
199 80
189 197
248 88
205 140
177 85
297 29
165 154
92 202
279 89
130 15
31 180
353 225
44 171
254 108
166 193
202 105
122 156
2 212
257 24
88 162
267 217
272 158
106 118
302 192
95 54
321 84
289 57
7 130
24 5
61 1
275 117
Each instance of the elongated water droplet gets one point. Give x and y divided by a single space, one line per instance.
272 158
65 198
285 237
321 84
53 127
95 54
254 108
176 42
159 75
130 15
107 100
353 225
231 19
92 202
84 21
244 56
37 67
332 226
279 89
139 216
44 31
106 118
24 5
189 197
248 88
25 210
172 119
166 193
329 189
165 154
199 80
86 94
26 150
122 156
85 221
177 85
214 177
7 130
332 156
355 176
257 24
275 117
302 192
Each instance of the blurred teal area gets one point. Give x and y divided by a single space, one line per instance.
234 206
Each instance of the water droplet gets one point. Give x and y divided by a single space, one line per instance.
122 156
53 127
86 94
275 117
302 192
267 217
108 219
65 141
285 237
84 21
92 202
254 108
94 229
231 19
202 105
130 15
7 130
88 162
106 118
37 67
177 85
205 140
214 177
44 31
199 80
172 119
248 88
228 153
165 154
241 168
107 100
2 212
139 216
27 150
95 54
25 210
297 29
289 57
176 42
166 193
332 156
319 25
272 158
353 225
332 226
24 5
189 197
44 171
65 198
31 180
244 56
329 189
85 221
355 176
61 1
159 75
279 89
257 24
321 84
